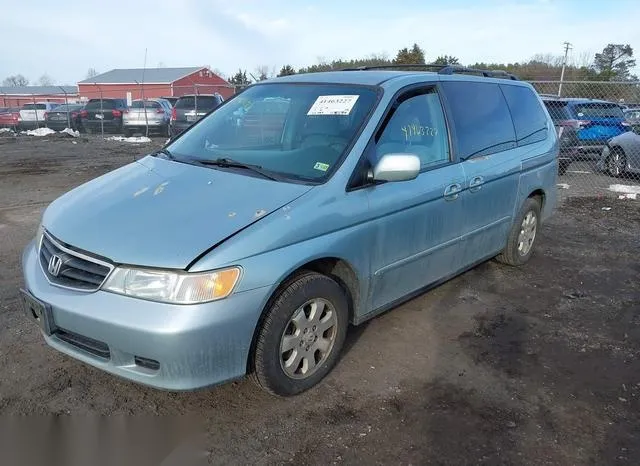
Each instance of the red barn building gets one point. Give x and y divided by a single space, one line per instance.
154 82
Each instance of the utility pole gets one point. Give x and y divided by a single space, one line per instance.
567 47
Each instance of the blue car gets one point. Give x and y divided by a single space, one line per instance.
237 251
584 126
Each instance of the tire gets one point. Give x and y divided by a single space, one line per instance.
126 133
616 162
521 243
294 319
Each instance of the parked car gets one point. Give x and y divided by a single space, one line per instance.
171 100
64 116
32 115
633 116
103 113
621 155
584 126
190 108
10 118
214 257
154 113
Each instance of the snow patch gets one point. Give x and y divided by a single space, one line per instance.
135 140
38 132
70 132
6 130
563 186
625 188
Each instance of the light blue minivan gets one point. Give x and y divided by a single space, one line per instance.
250 243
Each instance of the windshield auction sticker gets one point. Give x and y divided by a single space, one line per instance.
333 105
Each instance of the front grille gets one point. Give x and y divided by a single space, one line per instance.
77 270
94 347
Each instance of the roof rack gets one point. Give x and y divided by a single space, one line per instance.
441 69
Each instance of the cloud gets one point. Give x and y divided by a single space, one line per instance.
65 42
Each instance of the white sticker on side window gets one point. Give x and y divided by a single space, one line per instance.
333 105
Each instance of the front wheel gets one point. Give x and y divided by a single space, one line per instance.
301 336
523 235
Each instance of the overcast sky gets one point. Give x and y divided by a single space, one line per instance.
64 39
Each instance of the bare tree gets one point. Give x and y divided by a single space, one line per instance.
15 80
45 80
262 72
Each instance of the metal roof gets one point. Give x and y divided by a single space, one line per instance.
151 75
38 90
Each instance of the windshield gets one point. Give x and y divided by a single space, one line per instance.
297 130
599 111
95 105
205 103
65 107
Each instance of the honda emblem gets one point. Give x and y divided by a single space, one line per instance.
55 264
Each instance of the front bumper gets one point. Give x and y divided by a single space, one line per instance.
195 346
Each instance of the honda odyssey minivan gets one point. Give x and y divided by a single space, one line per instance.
232 252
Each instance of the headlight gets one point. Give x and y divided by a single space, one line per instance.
173 286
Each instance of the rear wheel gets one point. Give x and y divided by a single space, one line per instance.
523 235
616 163
301 336
127 132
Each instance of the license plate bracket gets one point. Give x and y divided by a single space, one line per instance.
38 311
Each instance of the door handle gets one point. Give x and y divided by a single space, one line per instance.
452 191
476 184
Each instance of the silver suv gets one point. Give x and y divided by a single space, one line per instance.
149 113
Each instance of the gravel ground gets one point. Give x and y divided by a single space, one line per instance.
535 365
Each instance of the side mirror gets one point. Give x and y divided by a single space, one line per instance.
396 167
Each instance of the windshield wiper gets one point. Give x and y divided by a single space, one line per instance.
164 151
225 162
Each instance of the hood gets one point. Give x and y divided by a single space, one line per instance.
159 213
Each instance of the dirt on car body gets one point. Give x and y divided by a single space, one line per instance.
533 365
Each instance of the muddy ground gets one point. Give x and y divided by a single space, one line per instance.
536 365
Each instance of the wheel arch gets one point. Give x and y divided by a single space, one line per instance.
336 268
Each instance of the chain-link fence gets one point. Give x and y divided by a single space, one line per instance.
598 124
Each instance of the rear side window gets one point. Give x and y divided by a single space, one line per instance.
598 110
529 119
481 121
34 106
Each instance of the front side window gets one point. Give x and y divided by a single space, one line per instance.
417 126
299 131
480 118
